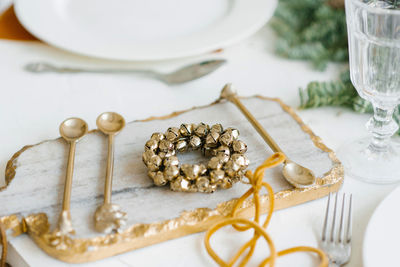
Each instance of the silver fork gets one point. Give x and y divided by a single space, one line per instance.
337 243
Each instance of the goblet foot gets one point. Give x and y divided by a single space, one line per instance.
368 165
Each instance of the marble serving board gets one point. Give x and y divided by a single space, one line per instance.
31 200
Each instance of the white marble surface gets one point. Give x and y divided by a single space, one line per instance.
32 106
40 173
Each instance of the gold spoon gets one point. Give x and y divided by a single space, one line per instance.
109 217
71 130
295 174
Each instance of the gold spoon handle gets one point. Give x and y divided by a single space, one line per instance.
109 170
267 138
230 95
68 179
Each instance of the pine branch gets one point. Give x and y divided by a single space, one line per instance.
319 94
337 93
310 30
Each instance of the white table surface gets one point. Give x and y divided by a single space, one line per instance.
32 106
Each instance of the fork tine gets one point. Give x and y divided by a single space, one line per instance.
349 220
324 228
341 231
334 219
337 246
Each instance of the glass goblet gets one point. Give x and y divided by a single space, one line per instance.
374 53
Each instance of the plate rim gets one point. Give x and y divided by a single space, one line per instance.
258 22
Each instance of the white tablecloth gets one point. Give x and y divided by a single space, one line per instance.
33 105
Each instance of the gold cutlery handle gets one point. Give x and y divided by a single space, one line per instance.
267 138
109 170
68 179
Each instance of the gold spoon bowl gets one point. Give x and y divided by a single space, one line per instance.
110 123
297 175
73 129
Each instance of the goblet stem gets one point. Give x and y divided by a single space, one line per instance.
382 126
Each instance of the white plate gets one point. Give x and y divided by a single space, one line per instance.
143 29
381 242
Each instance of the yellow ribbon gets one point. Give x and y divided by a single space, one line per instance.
241 224
3 242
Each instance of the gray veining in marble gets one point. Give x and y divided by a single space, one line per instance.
39 180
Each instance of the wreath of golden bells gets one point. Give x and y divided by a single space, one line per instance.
226 166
